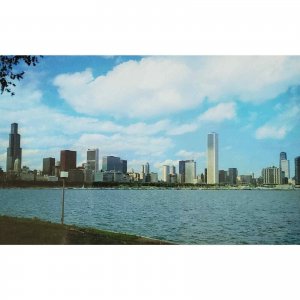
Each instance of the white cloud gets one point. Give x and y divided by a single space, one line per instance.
219 113
269 131
279 126
183 128
156 86
186 155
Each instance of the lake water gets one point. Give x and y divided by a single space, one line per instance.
181 216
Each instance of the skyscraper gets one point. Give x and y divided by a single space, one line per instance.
190 171
67 160
113 163
297 170
212 158
92 158
181 168
232 176
147 168
14 152
166 173
284 165
49 166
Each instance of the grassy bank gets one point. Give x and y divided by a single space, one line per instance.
23 231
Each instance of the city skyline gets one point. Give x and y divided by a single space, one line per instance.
158 110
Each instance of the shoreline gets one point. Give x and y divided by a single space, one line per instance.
34 231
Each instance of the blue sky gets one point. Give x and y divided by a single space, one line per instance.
158 109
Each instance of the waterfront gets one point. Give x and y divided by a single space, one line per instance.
181 216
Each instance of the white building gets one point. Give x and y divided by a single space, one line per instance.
190 171
212 158
92 159
165 173
271 175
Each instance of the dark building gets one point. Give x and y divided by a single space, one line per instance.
222 176
112 163
49 166
67 160
181 170
297 170
124 166
76 176
205 175
14 152
232 176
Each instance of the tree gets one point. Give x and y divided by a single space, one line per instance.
9 72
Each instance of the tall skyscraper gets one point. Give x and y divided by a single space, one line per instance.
190 171
166 173
49 166
212 158
181 167
124 165
92 158
172 170
232 176
14 152
147 168
284 165
67 160
297 170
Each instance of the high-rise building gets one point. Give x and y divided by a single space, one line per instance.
147 168
222 176
166 173
49 166
212 158
113 163
181 168
232 176
284 165
297 170
92 158
67 160
271 175
14 152
190 171
172 170
124 166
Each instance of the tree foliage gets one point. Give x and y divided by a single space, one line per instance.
10 73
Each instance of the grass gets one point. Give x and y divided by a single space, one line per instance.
24 231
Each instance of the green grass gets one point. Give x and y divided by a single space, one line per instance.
24 231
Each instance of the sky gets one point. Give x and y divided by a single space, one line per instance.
158 109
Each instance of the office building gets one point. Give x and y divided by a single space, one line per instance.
147 168
49 166
124 166
67 160
190 171
113 163
172 170
14 150
271 175
166 173
297 170
212 158
284 165
232 176
222 176
92 159
181 168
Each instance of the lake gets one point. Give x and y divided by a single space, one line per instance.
181 216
